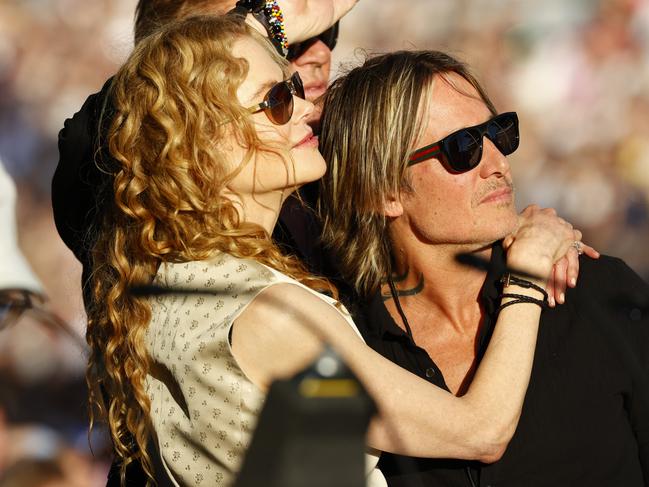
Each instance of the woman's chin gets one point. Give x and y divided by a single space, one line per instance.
309 166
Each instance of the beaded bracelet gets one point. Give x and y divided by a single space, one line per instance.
270 16
276 30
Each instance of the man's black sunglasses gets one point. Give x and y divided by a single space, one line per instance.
461 151
329 37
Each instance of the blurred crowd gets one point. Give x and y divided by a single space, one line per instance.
576 72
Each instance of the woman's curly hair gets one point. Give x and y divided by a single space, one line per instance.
174 100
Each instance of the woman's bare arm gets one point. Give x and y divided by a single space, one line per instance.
284 327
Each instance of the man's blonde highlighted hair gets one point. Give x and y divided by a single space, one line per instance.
371 119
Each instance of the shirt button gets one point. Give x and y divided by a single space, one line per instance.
430 372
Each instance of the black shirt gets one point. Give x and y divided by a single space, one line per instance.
80 189
585 419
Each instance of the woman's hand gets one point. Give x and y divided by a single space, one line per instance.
534 223
566 270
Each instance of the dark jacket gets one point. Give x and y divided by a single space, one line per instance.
585 419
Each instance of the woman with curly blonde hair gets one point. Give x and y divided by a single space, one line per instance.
210 137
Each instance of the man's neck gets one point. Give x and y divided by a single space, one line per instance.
431 282
440 299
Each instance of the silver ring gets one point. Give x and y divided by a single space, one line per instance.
577 246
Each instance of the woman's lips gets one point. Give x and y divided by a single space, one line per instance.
308 141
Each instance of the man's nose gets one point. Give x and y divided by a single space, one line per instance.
317 53
493 161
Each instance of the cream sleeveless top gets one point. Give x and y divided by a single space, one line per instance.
204 408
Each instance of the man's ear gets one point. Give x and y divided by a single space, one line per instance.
392 208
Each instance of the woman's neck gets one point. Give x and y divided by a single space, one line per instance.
260 209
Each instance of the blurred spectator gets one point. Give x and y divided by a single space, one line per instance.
577 72
68 469
34 473
40 356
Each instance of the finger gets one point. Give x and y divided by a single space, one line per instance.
568 225
560 270
550 289
572 272
508 241
302 21
590 251
342 7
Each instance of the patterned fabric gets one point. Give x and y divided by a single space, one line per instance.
203 407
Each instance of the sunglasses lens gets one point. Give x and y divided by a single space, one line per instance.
295 51
298 85
9 313
503 132
330 36
463 150
280 101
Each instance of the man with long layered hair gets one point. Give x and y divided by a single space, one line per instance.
418 174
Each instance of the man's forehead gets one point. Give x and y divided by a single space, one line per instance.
453 90
450 103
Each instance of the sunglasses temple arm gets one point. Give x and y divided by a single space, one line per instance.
424 153
54 321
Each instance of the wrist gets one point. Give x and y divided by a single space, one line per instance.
266 17
252 21
536 268
521 291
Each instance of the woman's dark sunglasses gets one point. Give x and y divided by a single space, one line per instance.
278 102
461 151
329 37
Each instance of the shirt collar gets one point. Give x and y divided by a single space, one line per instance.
381 321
